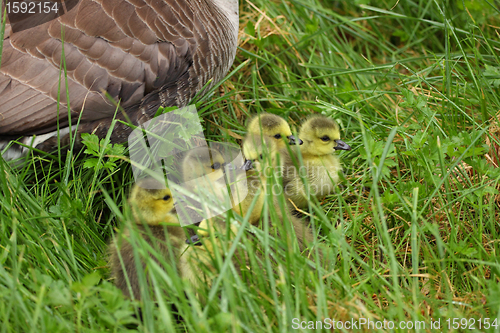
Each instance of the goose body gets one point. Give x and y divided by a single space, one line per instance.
143 53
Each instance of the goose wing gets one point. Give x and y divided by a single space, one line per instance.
127 48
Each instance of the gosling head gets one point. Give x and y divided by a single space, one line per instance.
152 202
321 136
203 161
256 149
273 126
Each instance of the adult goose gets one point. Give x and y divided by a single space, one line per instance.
143 53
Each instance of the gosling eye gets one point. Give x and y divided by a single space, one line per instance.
325 138
167 197
216 166
278 136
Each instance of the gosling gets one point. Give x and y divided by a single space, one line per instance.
261 155
204 184
321 136
152 203
205 166
273 126
257 152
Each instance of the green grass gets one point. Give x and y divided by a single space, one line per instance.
412 232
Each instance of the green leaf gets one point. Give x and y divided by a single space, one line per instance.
91 163
250 28
59 294
91 279
492 75
91 141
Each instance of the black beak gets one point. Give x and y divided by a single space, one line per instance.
294 141
194 240
247 165
341 145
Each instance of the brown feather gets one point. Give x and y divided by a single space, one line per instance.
143 53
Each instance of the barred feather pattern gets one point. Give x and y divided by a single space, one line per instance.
143 53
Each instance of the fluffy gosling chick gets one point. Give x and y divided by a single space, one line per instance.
153 205
257 150
321 136
259 153
203 176
272 126
152 202
203 162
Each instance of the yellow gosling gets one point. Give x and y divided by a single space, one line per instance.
321 136
274 127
